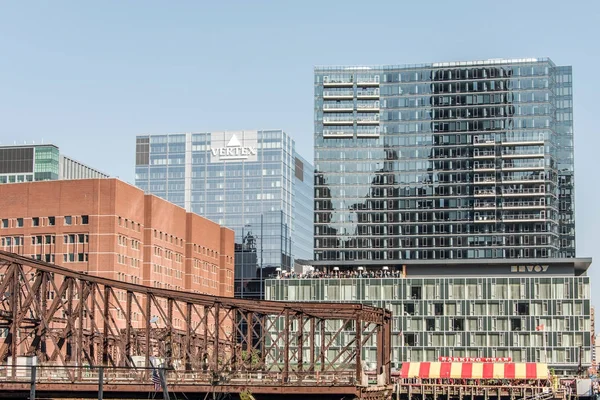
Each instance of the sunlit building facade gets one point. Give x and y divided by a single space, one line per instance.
42 162
244 180
537 311
455 160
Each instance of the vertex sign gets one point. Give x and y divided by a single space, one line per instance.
528 268
233 146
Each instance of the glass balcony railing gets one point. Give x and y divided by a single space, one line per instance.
368 105
482 154
485 218
526 152
523 165
485 192
338 93
337 80
368 118
485 179
524 204
349 118
484 166
483 140
368 93
523 191
338 133
367 80
367 132
338 106
526 178
523 217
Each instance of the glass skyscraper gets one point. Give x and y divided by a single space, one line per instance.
444 193
244 180
444 161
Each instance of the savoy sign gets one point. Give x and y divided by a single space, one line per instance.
528 268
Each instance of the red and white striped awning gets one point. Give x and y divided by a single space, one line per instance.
458 370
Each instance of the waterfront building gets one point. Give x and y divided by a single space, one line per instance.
253 182
445 193
108 228
535 310
42 162
443 161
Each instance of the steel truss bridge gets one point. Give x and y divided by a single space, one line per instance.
86 333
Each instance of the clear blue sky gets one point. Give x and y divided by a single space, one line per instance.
89 76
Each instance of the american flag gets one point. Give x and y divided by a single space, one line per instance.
156 380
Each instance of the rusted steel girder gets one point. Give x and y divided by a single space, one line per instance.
67 318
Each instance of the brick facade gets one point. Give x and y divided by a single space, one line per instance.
109 228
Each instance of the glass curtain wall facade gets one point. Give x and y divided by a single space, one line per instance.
29 163
530 318
444 161
243 180
303 209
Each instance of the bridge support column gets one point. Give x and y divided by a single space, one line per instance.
323 349
312 345
359 329
300 344
286 348
249 339
217 309
33 379
187 355
105 322
79 343
100 383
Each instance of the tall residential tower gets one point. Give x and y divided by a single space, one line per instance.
444 161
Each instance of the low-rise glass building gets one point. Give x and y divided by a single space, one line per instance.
41 162
529 310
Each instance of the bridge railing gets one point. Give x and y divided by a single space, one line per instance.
41 374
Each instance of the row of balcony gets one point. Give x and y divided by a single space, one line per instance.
525 217
349 133
533 153
351 119
507 165
329 81
349 94
477 141
522 204
535 191
491 180
348 106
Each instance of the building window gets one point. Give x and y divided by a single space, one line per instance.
51 221
515 324
458 324
85 219
68 220
19 222
5 223
35 221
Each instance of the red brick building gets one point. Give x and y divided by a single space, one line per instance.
109 228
